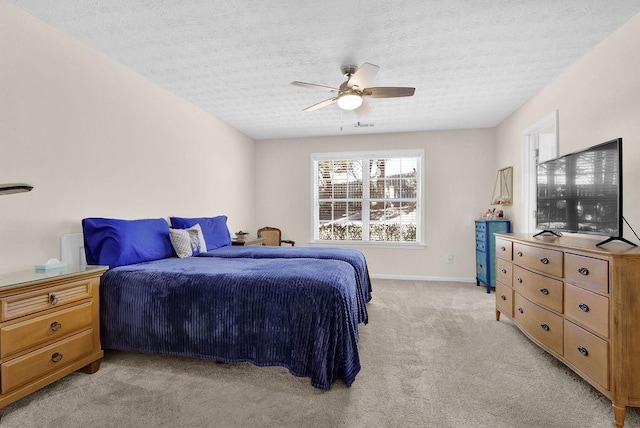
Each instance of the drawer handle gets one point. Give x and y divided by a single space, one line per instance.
53 299
544 261
544 291
583 271
503 249
503 297
519 280
55 326
520 253
583 351
56 356
521 310
503 270
545 327
583 307
481 266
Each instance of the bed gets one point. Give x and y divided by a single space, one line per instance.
297 309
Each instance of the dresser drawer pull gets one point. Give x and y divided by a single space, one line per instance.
544 261
583 271
519 253
544 291
503 297
53 299
583 350
56 356
519 280
545 327
521 310
55 326
583 307
503 270
503 249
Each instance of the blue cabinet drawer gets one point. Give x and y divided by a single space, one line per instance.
480 236
481 266
480 227
481 246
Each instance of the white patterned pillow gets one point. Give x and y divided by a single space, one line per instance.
188 242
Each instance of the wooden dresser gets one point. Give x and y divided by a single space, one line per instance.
49 327
580 303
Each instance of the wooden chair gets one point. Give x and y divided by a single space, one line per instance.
272 236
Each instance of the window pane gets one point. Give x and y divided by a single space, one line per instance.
390 210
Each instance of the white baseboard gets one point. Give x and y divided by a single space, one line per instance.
422 278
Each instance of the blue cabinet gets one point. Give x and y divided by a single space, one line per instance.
485 250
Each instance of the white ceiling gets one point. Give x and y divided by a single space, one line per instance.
472 62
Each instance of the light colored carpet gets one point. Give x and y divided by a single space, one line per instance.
432 356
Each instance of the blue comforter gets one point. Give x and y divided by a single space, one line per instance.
296 313
353 257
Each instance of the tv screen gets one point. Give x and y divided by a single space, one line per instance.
582 192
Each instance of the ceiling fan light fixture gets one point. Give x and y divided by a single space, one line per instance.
349 101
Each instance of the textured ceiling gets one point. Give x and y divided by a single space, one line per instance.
472 62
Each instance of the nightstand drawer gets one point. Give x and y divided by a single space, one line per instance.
588 272
538 288
587 308
17 305
542 324
27 334
540 259
22 370
587 352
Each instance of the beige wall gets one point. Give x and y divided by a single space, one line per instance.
460 175
96 139
597 99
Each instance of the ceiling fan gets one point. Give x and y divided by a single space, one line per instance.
349 95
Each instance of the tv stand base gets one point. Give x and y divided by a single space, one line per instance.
616 238
547 231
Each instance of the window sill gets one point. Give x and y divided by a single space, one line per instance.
368 244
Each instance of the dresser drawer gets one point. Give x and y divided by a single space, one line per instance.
504 249
504 299
481 227
587 308
480 236
587 352
542 324
540 259
18 305
504 272
33 365
538 288
46 328
588 272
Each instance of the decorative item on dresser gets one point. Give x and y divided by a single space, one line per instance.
49 327
485 259
579 302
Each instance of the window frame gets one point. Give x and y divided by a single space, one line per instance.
366 156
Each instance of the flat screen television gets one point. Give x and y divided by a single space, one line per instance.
582 192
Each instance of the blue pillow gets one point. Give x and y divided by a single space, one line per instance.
215 230
113 242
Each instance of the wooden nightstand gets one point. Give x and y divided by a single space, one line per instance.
49 328
247 242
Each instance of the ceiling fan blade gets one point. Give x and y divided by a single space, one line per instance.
363 76
314 86
321 104
389 92
364 109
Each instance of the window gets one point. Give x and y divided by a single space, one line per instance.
367 197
